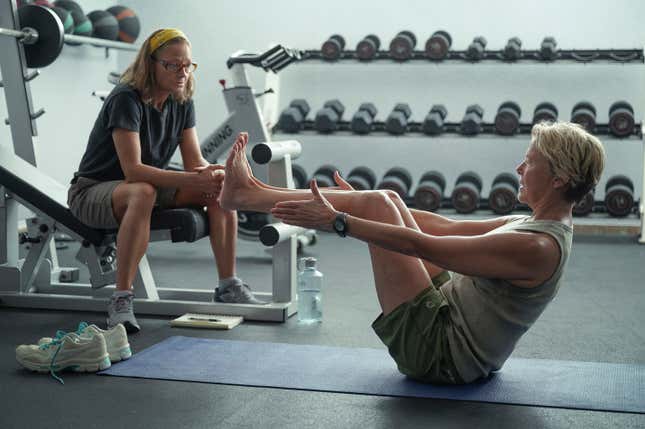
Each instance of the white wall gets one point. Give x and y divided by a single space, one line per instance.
217 29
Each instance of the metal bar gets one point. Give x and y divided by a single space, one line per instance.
144 283
17 94
34 258
100 42
8 229
12 33
273 312
284 271
76 39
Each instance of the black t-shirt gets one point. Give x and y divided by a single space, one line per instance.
159 132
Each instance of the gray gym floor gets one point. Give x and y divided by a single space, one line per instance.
597 316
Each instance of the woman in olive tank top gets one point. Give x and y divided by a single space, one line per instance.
455 295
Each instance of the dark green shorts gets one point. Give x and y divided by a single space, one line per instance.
414 334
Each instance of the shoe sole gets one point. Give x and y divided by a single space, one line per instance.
122 354
85 366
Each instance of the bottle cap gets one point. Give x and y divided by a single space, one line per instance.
308 262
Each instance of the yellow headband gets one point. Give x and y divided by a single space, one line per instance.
163 36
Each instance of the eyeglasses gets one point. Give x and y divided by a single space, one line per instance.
176 67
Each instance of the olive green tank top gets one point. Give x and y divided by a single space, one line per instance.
488 316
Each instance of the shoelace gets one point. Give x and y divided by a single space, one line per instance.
123 304
57 341
54 342
80 330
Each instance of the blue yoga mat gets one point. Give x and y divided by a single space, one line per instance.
545 383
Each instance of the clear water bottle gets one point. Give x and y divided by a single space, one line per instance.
309 292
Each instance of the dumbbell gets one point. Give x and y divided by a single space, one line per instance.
292 118
503 193
471 124
465 196
507 120
363 119
299 176
619 196
549 49
433 123
397 121
475 51
398 180
438 45
324 176
513 49
362 178
333 47
328 117
429 192
368 47
621 119
585 205
402 46
545 112
584 113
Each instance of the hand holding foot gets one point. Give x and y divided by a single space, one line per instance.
315 213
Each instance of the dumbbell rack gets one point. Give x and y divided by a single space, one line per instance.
578 55
454 128
590 224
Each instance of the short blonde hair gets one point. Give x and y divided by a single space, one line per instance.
574 155
140 74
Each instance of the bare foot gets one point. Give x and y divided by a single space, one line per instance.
239 185
257 181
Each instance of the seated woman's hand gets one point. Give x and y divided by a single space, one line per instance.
210 178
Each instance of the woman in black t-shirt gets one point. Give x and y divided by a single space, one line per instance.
122 174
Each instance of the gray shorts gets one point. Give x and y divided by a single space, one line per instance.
91 201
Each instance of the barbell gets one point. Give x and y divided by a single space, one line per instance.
42 36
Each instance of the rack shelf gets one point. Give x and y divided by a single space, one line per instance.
451 128
584 56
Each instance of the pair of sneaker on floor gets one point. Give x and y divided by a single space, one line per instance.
89 349
121 311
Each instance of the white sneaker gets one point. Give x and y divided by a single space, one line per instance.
70 352
116 339
237 293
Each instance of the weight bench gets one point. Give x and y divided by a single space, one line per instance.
38 281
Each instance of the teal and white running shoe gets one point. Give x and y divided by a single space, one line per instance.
70 352
116 339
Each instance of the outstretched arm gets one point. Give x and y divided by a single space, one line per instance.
524 257
515 256
434 224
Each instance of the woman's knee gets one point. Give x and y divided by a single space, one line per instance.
139 195
374 204
394 196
